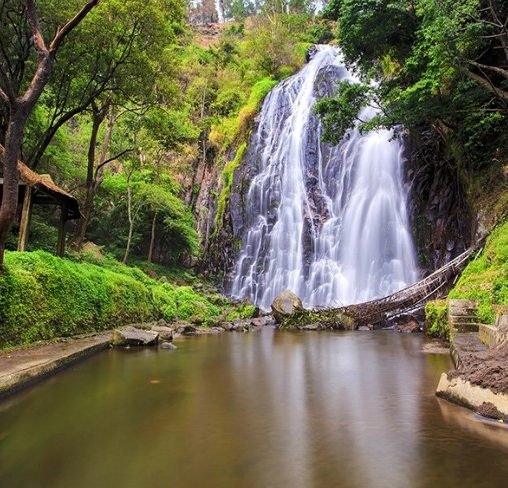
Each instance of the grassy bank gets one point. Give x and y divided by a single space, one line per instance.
42 297
485 280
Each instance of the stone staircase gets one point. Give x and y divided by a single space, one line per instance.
468 334
480 359
462 316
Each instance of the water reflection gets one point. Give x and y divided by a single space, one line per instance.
270 409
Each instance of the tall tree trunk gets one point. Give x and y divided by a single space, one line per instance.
152 238
131 222
20 107
92 178
17 121
26 217
79 235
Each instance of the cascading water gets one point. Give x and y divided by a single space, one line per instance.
327 222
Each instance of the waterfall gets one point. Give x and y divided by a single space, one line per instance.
327 222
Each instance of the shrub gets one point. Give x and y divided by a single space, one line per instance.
436 319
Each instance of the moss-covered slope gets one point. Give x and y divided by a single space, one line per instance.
42 297
486 278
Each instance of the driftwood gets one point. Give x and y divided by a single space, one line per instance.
400 302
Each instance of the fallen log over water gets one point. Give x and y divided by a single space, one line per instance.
382 309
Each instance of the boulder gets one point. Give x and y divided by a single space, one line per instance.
165 332
168 345
131 336
227 326
408 325
240 325
263 321
188 330
285 304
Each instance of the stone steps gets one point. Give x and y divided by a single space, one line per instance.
466 326
463 318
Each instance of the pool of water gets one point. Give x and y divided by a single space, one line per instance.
265 409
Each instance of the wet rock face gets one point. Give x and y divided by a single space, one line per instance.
443 223
239 217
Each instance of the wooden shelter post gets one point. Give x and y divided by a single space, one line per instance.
60 249
26 217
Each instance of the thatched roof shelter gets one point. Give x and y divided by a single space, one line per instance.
46 190
41 190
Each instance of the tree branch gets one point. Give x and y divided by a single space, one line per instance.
62 32
495 69
4 97
33 19
118 156
487 84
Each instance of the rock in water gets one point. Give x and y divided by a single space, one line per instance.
165 332
131 336
285 304
168 345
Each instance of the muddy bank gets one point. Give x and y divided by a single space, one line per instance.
480 380
487 368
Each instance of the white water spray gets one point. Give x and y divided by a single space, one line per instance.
327 222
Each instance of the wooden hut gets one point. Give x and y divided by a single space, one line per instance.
36 189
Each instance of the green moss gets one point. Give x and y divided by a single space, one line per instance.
486 278
328 318
242 311
234 128
43 297
227 183
436 319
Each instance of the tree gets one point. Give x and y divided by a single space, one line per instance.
117 54
448 69
21 100
95 169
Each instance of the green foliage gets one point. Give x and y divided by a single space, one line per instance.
331 11
43 297
486 278
423 54
370 29
269 45
235 127
436 319
329 318
341 112
174 221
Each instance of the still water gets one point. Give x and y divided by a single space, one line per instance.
266 409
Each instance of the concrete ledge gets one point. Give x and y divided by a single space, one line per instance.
22 367
464 393
488 335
